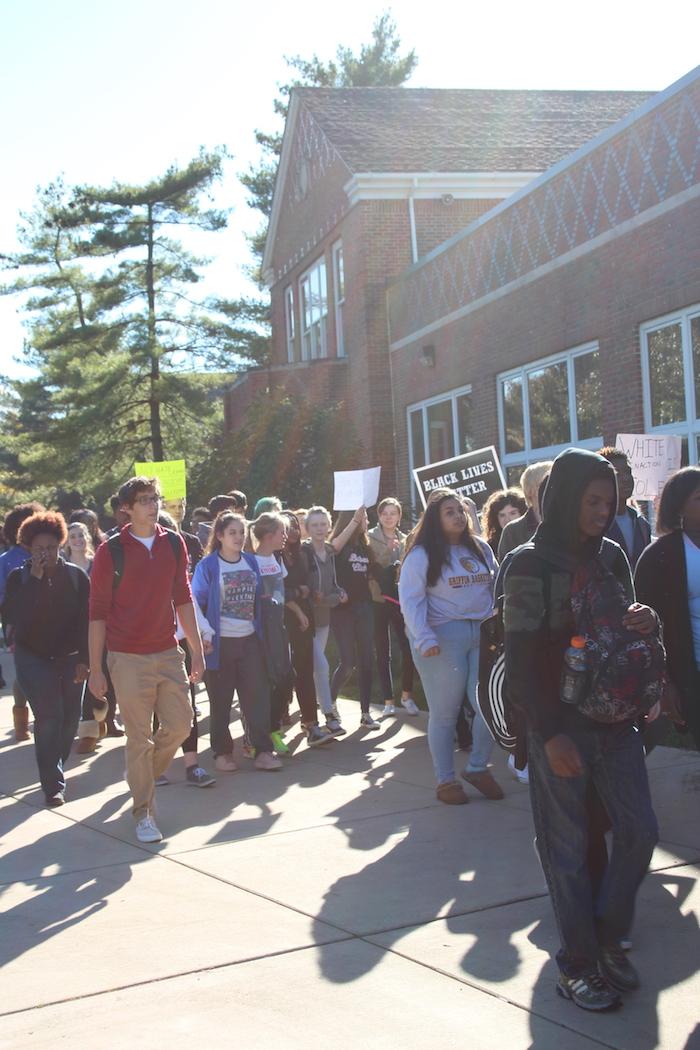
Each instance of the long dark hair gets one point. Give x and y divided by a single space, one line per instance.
428 534
674 495
222 521
291 551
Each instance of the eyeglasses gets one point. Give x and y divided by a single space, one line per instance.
143 501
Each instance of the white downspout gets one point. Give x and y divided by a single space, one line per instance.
412 221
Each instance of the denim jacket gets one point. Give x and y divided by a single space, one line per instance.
206 588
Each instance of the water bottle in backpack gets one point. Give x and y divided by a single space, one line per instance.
574 674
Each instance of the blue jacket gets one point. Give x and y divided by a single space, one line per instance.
206 588
14 558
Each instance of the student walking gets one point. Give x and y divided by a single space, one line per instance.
352 621
227 587
46 608
299 621
668 579
572 581
446 590
139 583
326 595
388 544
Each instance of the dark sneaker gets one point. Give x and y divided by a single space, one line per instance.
334 726
317 735
199 777
367 721
617 969
589 991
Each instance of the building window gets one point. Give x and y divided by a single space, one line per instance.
440 428
289 318
339 290
671 376
314 311
547 405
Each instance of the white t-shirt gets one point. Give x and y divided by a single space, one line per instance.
147 541
273 575
237 588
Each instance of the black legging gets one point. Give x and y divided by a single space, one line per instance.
302 646
387 617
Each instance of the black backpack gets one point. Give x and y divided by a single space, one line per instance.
116 550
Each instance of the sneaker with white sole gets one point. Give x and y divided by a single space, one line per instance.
409 705
589 991
198 777
334 726
147 831
225 764
162 781
389 711
317 735
268 761
521 775
368 721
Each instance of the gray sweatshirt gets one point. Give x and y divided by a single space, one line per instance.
463 591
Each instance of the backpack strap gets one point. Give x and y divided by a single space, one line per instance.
116 549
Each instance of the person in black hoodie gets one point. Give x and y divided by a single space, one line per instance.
567 751
46 606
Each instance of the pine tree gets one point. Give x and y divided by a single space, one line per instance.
128 363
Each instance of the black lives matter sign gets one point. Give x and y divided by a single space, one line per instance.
475 474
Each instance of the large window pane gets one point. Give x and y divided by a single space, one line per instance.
695 345
666 375
417 440
588 406
464 423
548 394
512 390
440 431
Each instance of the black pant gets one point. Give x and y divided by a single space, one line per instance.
302 646
351 624
54 698
242 669
387 616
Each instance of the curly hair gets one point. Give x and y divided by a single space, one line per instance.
54 524
493 507
16 516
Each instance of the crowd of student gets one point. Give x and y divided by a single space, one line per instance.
112 632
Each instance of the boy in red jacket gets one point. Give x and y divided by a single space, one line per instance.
136 588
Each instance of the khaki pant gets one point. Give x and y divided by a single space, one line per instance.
146 684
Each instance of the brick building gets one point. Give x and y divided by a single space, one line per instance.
444 260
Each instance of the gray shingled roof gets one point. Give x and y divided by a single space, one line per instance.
430 129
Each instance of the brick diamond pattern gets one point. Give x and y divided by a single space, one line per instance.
645 164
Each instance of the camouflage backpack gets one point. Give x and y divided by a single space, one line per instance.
625 669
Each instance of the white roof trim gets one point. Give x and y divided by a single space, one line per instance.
280 179
426 185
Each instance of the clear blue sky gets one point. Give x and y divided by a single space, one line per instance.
106 90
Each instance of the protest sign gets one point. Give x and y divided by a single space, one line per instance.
475 474
653 458
356 488
170 473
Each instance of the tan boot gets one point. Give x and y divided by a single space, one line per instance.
20 717
88 735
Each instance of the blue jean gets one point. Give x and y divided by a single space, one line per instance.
447 678
55 702
613 760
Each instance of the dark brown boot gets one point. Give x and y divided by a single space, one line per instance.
20 716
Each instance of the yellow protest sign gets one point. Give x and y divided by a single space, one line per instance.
170 473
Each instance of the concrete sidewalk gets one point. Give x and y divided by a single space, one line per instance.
333 904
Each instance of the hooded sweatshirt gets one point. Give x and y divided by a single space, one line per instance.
537 614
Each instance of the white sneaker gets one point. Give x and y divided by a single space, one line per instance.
410 707
521 775
389 710
146 830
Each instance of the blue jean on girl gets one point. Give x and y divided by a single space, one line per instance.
446 679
